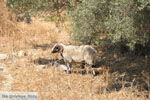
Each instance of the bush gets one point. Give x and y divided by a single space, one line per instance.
88 21
126 21
21 6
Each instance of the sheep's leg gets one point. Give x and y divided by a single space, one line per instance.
87 69
83 65
93 71
68 68
90 67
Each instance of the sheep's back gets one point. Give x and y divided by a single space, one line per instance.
79 53
75 53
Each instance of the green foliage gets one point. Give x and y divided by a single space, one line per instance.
126 21
120 21
21 6
88 21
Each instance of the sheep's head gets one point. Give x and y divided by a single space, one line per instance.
58 48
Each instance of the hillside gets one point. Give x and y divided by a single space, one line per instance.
26 68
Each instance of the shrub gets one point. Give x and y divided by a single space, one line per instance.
88 21
126 21
21 6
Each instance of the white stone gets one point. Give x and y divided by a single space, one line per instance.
3 56
63 67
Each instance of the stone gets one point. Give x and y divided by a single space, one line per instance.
3 56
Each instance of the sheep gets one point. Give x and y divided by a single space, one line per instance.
71 53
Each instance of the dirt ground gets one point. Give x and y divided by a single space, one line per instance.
118 77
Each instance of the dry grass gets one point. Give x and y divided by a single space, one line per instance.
53 84
118 78
2 78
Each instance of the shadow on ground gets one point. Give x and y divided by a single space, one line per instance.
127 69
78 68
42 46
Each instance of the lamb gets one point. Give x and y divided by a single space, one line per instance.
70 53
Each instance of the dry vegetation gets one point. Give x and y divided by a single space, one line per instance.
118 77
2 78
